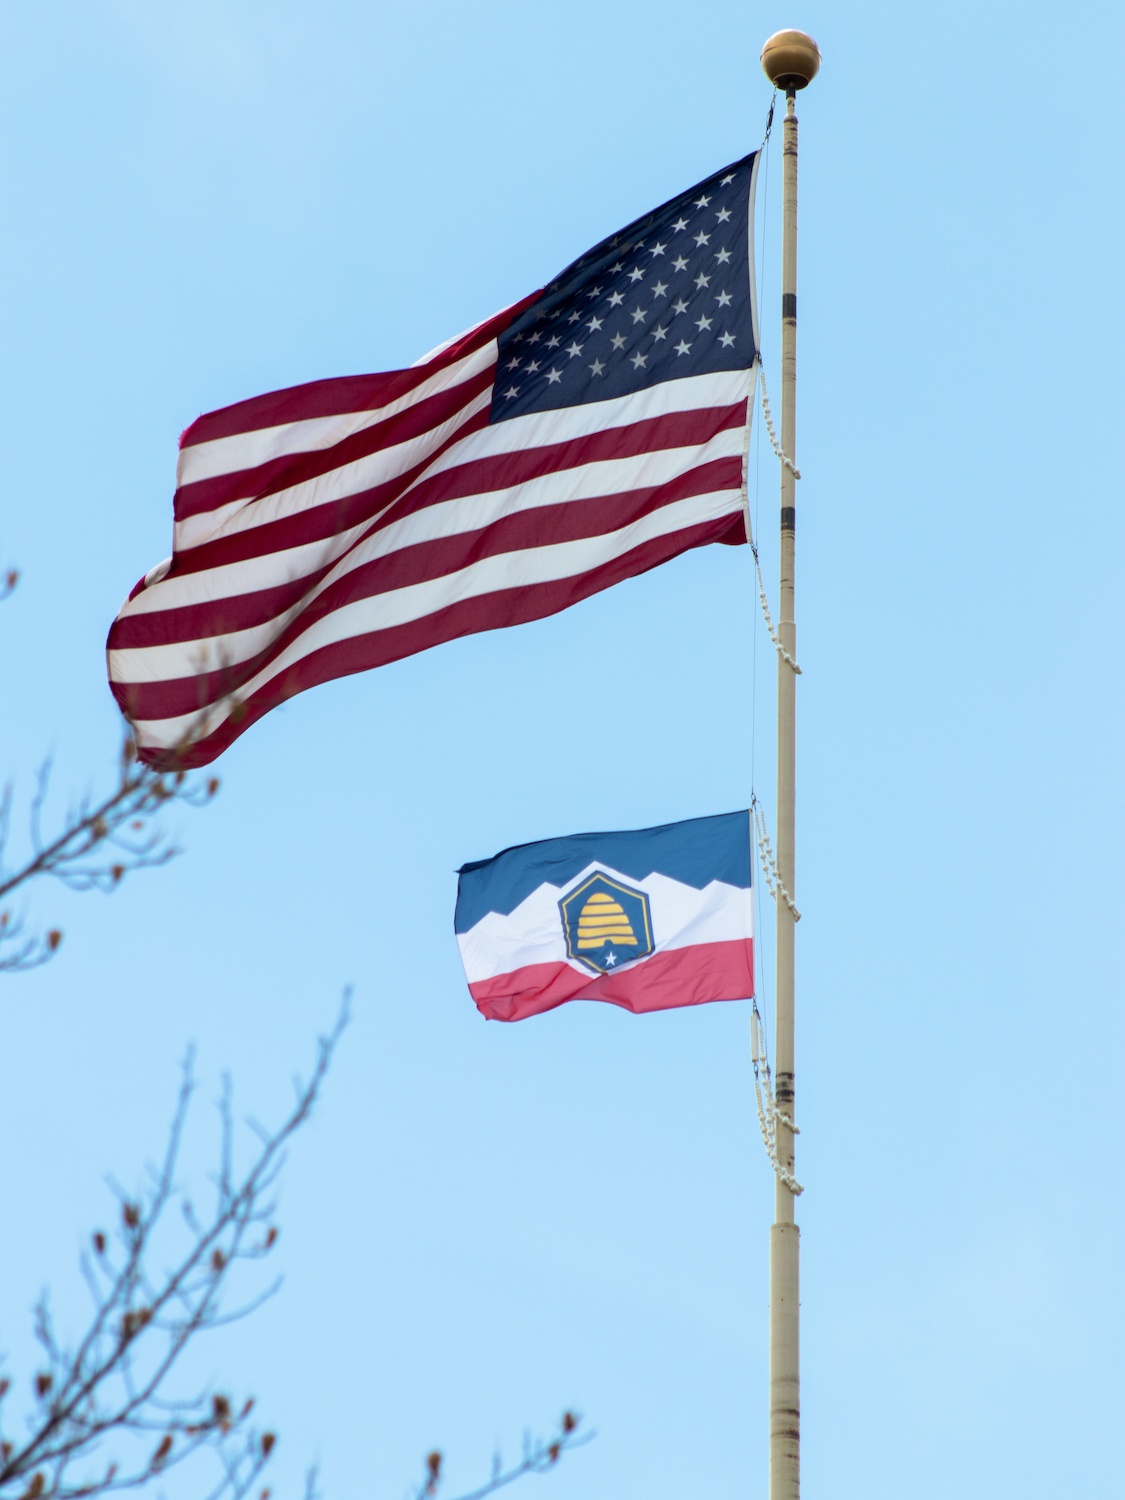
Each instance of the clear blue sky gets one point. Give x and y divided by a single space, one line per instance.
484 1224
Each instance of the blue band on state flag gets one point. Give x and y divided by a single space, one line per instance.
694 852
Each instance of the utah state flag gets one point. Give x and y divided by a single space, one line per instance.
646 920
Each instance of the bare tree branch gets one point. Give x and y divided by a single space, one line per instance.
106 1415
113 829
98 845
539 1456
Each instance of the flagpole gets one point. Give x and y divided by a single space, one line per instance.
790 60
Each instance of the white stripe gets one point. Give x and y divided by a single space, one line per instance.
682 917
445 519
522 569
440 349
381 467
546 428
540 429
246 450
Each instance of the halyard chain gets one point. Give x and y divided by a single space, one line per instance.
774 637
769 863
781 651
784 457
768 1112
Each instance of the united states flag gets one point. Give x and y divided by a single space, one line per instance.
582 436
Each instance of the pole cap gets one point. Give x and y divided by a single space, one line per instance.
790 60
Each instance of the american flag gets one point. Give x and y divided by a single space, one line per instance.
581 436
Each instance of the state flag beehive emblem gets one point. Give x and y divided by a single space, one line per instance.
606 923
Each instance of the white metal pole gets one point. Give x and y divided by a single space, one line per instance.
791 60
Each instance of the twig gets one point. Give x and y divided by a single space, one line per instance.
539 1456
99 844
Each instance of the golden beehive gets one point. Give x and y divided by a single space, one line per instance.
601 919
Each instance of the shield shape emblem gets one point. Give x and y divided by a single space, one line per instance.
606 923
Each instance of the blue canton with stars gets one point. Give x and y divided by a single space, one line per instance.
666 297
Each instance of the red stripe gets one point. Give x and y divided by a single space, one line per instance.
501 471
291 469
492 611
418 563
337 397
478 476
316 523
677 977
170 697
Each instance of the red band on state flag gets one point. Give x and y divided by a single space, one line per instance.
681 976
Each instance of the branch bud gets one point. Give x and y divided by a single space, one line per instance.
133 1322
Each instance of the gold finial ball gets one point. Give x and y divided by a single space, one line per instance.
790 59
